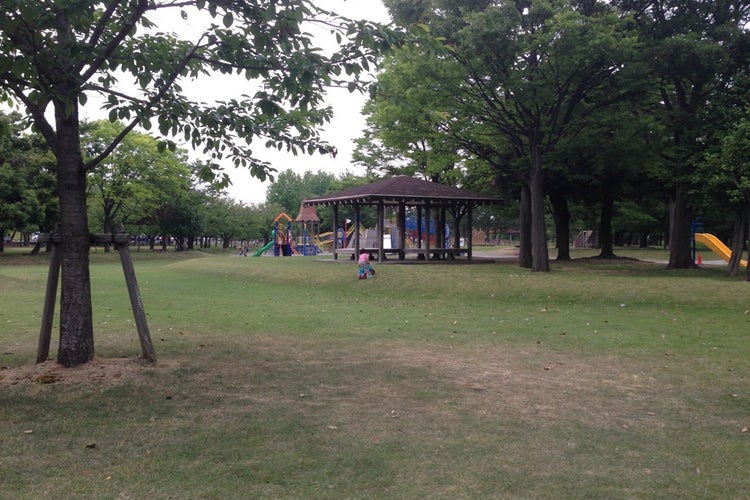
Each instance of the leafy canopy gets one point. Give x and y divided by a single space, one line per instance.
120 54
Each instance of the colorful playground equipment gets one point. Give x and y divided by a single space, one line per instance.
282 235
283 242
717 246
308 223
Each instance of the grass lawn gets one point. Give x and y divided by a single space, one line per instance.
290 378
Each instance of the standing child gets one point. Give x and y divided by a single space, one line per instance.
365 269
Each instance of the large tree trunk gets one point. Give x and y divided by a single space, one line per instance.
561 214
606 240
524 249
76 324
739 237
680 255
539 250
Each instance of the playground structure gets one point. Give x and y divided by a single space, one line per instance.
367 236
404 195
281 236
283 242
309 224
717 246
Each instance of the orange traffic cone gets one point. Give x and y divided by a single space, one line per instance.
700 259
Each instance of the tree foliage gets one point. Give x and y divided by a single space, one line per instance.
27 200
58 56
531 71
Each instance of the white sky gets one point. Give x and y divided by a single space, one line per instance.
346 125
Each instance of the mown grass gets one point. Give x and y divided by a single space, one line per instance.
289 378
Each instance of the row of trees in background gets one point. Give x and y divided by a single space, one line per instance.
636 107
611 115
153 191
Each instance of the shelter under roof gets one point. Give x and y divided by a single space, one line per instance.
429 203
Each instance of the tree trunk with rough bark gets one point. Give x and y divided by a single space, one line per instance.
524 249
561 214
739 236
680 254
76 323
539 250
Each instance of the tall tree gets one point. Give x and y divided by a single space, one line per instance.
121 185
412 115
55 55
290 189
696 47
730 167
24 179
531 67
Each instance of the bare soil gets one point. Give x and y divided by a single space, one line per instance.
97 371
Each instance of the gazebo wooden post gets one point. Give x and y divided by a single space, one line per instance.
381 230
442 219
402 230
335 237
419 228
458 212
469 231
427 217
356 231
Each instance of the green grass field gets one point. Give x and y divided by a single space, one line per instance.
290 378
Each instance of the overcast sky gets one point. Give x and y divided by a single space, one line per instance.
346 125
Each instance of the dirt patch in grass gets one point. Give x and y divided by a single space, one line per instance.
97 371
528 384
419 418
525 383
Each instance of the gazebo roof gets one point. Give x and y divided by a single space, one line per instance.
307 213
402 188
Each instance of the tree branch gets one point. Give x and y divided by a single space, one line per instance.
148 105
114 43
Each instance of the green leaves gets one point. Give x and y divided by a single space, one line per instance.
140 66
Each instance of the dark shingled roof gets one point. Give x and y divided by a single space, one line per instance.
307 213
402 188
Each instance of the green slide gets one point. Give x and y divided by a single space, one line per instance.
260 252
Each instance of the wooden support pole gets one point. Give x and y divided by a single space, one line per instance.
402 230
335 236
381 230
50 297
470 232
427 216
120 240
357 243
139 313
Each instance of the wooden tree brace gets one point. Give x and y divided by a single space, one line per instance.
97 239
120 239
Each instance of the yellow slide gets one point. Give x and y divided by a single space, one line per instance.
716 246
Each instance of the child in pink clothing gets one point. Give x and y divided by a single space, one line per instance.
365 269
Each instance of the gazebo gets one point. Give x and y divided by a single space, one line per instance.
308 224
428 202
